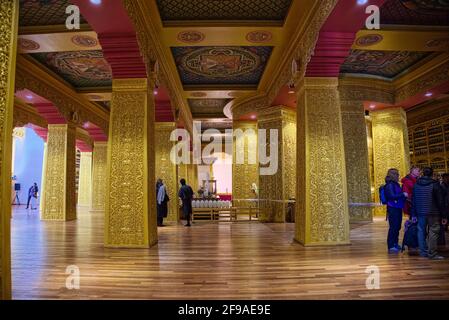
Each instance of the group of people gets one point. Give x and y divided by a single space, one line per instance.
185 194
425 200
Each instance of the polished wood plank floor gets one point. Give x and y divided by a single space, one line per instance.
213 261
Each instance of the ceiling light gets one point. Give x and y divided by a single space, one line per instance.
291 88
29 96
429 94
155 92
95 2
253 117
362 2
372 106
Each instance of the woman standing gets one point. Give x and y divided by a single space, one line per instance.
162 202
396 201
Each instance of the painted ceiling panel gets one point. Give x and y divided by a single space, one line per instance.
415 12
387 64
261 10
221 65
79 68
43 12
212 107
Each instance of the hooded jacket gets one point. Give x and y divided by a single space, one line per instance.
427 198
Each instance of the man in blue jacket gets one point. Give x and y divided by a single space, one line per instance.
428 210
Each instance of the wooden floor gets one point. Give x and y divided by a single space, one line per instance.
213 261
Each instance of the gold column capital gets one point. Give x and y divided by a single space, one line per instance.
129 85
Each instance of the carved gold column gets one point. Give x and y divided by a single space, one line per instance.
99 176
165 168
322 216
59 199
9 10
356 156
130 219
276 189
245 174
390 146
85 180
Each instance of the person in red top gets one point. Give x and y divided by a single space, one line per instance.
408 182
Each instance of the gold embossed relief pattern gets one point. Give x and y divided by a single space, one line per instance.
323 219
244 175
85 180
8 43
128 211
59 201
357 165
99 176
390 146
280 186
165 168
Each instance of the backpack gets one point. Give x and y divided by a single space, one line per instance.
410 235
382 195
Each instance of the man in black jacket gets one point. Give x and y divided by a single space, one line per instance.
428 210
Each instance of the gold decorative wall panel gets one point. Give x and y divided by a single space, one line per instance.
59 200
244 175
390 146
274 189
357 164
9 10
85 180
322 216
99 176
165 168
130 219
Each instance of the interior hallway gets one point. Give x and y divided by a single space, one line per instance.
213 261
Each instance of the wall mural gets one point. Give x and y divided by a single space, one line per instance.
416 12
79 68
181 10
387 64
221 65
43 12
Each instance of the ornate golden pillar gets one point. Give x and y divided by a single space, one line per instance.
99 176
356 156
85 180
130 219
9 10
59 199
322 216
276 189
390 146
245 171
165 168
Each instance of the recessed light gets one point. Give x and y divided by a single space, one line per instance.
253 117
362 2
429 94
29 96
372 106
155 92
95 2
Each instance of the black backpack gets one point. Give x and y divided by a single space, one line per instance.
410 236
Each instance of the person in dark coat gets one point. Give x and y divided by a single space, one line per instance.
186 195
162 202
32 193
428 211
396 200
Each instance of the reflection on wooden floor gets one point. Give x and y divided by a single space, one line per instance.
213 261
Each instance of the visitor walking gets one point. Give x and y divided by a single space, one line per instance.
162 202
32 196
186 195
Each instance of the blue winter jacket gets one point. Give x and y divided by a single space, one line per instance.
394 195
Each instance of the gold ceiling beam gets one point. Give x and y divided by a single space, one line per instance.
402 40
427 76
26 114
157 56
300 48
72 106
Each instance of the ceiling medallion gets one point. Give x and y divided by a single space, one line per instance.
84 41
198 94
369 40
221 62
191 36
259 36
440 42
27 44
